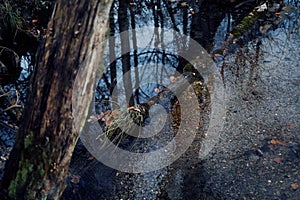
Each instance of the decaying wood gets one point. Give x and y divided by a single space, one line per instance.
189 81
266 20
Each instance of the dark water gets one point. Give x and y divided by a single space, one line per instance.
260 78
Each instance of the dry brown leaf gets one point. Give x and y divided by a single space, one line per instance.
294 186
110 117
277 160
115 113
106 115
291 126
277 142
108 120
184 4
107 112
91 158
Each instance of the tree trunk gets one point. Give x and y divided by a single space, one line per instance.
39 161
112 56
125 49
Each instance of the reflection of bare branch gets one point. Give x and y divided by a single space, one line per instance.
5 94
15 105
154 51
142 92
169 9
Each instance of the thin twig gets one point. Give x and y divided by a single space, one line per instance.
15 105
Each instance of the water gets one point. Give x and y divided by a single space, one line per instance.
261 81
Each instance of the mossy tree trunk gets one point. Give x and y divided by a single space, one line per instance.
39 161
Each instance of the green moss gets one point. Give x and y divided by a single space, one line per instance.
245 24
41 170
44 155
26 168
12 189
28 140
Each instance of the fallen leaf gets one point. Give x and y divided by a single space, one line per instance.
291 126
294 186
277 160
184 4
91 158
115 113
107 112
276 142
108 119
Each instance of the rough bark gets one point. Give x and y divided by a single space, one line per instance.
39 161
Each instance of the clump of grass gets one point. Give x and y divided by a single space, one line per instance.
118 123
